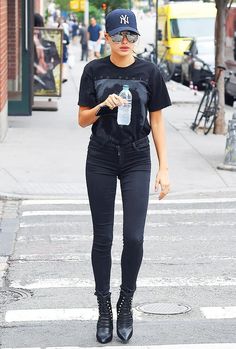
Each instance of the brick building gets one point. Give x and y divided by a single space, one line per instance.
16 59
40 6
3 68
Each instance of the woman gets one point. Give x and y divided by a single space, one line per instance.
123 152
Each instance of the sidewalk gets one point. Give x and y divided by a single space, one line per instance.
44 155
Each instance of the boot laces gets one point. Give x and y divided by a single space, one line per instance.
125 309
105 311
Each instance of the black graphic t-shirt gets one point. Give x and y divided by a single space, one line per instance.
149 93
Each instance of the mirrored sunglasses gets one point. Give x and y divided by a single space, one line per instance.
131 37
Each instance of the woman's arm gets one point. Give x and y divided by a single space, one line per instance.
159 138
87 116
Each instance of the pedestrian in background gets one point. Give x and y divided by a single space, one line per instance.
74 31
94 39
70 23
38 20
65 43
121 152
83 41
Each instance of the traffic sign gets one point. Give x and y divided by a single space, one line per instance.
77 5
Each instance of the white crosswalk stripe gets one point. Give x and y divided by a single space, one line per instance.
82 257
148 224
219 312
91 314
80 237
120 212
171 346
118 201
142 282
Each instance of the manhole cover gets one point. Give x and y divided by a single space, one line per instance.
164 308
8 295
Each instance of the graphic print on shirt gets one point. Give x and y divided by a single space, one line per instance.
105 87
149 93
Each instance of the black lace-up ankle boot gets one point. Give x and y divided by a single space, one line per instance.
105 320
124 316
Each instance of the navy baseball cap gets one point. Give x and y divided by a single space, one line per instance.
120 20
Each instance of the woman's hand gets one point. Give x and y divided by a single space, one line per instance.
113 101
162 179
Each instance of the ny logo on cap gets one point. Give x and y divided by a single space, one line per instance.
124 19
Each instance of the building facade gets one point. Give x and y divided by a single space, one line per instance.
3 70
16 60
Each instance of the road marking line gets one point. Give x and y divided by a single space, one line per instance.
82 257
119 201
208 224
54 224
120 212
142 282
81 237
51 314
219 312
148 224
91 314
168 346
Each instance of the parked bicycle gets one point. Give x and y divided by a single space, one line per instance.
149 54
209 105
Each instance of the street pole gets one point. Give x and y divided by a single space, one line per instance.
86 13
156 36
230 148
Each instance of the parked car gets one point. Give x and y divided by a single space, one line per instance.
230 74
230 83
178 23
198 61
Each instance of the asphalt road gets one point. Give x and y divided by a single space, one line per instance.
189 259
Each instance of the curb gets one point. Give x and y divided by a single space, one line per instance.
185 102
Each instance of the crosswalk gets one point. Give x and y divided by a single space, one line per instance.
172 346
189 258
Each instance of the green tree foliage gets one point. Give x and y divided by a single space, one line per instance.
97 4
94 10
95 7
64 5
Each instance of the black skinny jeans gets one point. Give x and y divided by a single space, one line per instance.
132 165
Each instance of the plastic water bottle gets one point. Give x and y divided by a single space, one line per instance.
124 111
